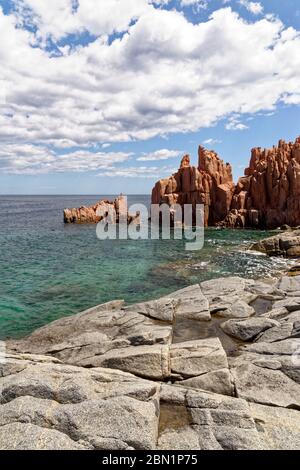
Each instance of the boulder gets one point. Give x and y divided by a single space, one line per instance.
247 330
284 244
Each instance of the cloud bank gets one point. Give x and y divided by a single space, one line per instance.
143 72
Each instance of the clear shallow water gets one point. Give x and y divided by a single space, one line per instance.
49 270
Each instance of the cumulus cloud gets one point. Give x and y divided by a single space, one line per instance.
254 7
234 124
61 17
164 75
163 154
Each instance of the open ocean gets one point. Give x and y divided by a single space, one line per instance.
49 270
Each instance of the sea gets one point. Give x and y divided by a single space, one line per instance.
50 270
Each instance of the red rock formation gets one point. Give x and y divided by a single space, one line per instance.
90 215
268 196
210 184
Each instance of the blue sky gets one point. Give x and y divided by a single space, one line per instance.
104 96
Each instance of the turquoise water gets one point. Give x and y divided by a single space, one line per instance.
49 270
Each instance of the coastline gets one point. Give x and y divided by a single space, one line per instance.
117 377
59 270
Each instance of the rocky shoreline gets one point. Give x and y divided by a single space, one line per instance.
213 366
285 244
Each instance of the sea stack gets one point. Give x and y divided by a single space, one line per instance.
210 184
94 214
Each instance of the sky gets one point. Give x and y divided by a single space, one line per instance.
106 96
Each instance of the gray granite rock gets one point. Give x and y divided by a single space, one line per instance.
246 330
277 333
266 386
289 284
283 244
67 407
292 304
239 309
97 380
204 421
193 358
218 381
26 436
151 362
161 309
192 304
280 427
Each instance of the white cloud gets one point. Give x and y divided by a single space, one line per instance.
254 7
163 154
61 17
199 3
212 141
33 159
234 124
165 75
137 172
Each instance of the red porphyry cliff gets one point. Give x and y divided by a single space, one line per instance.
210 184
268 196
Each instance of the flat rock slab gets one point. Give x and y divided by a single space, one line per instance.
188 303
229 296
54 406
192 304
246 330
279 427
292 304
201 364
102 336
161 309
266 386
193 358
194 420
277 333
151 362
289 284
